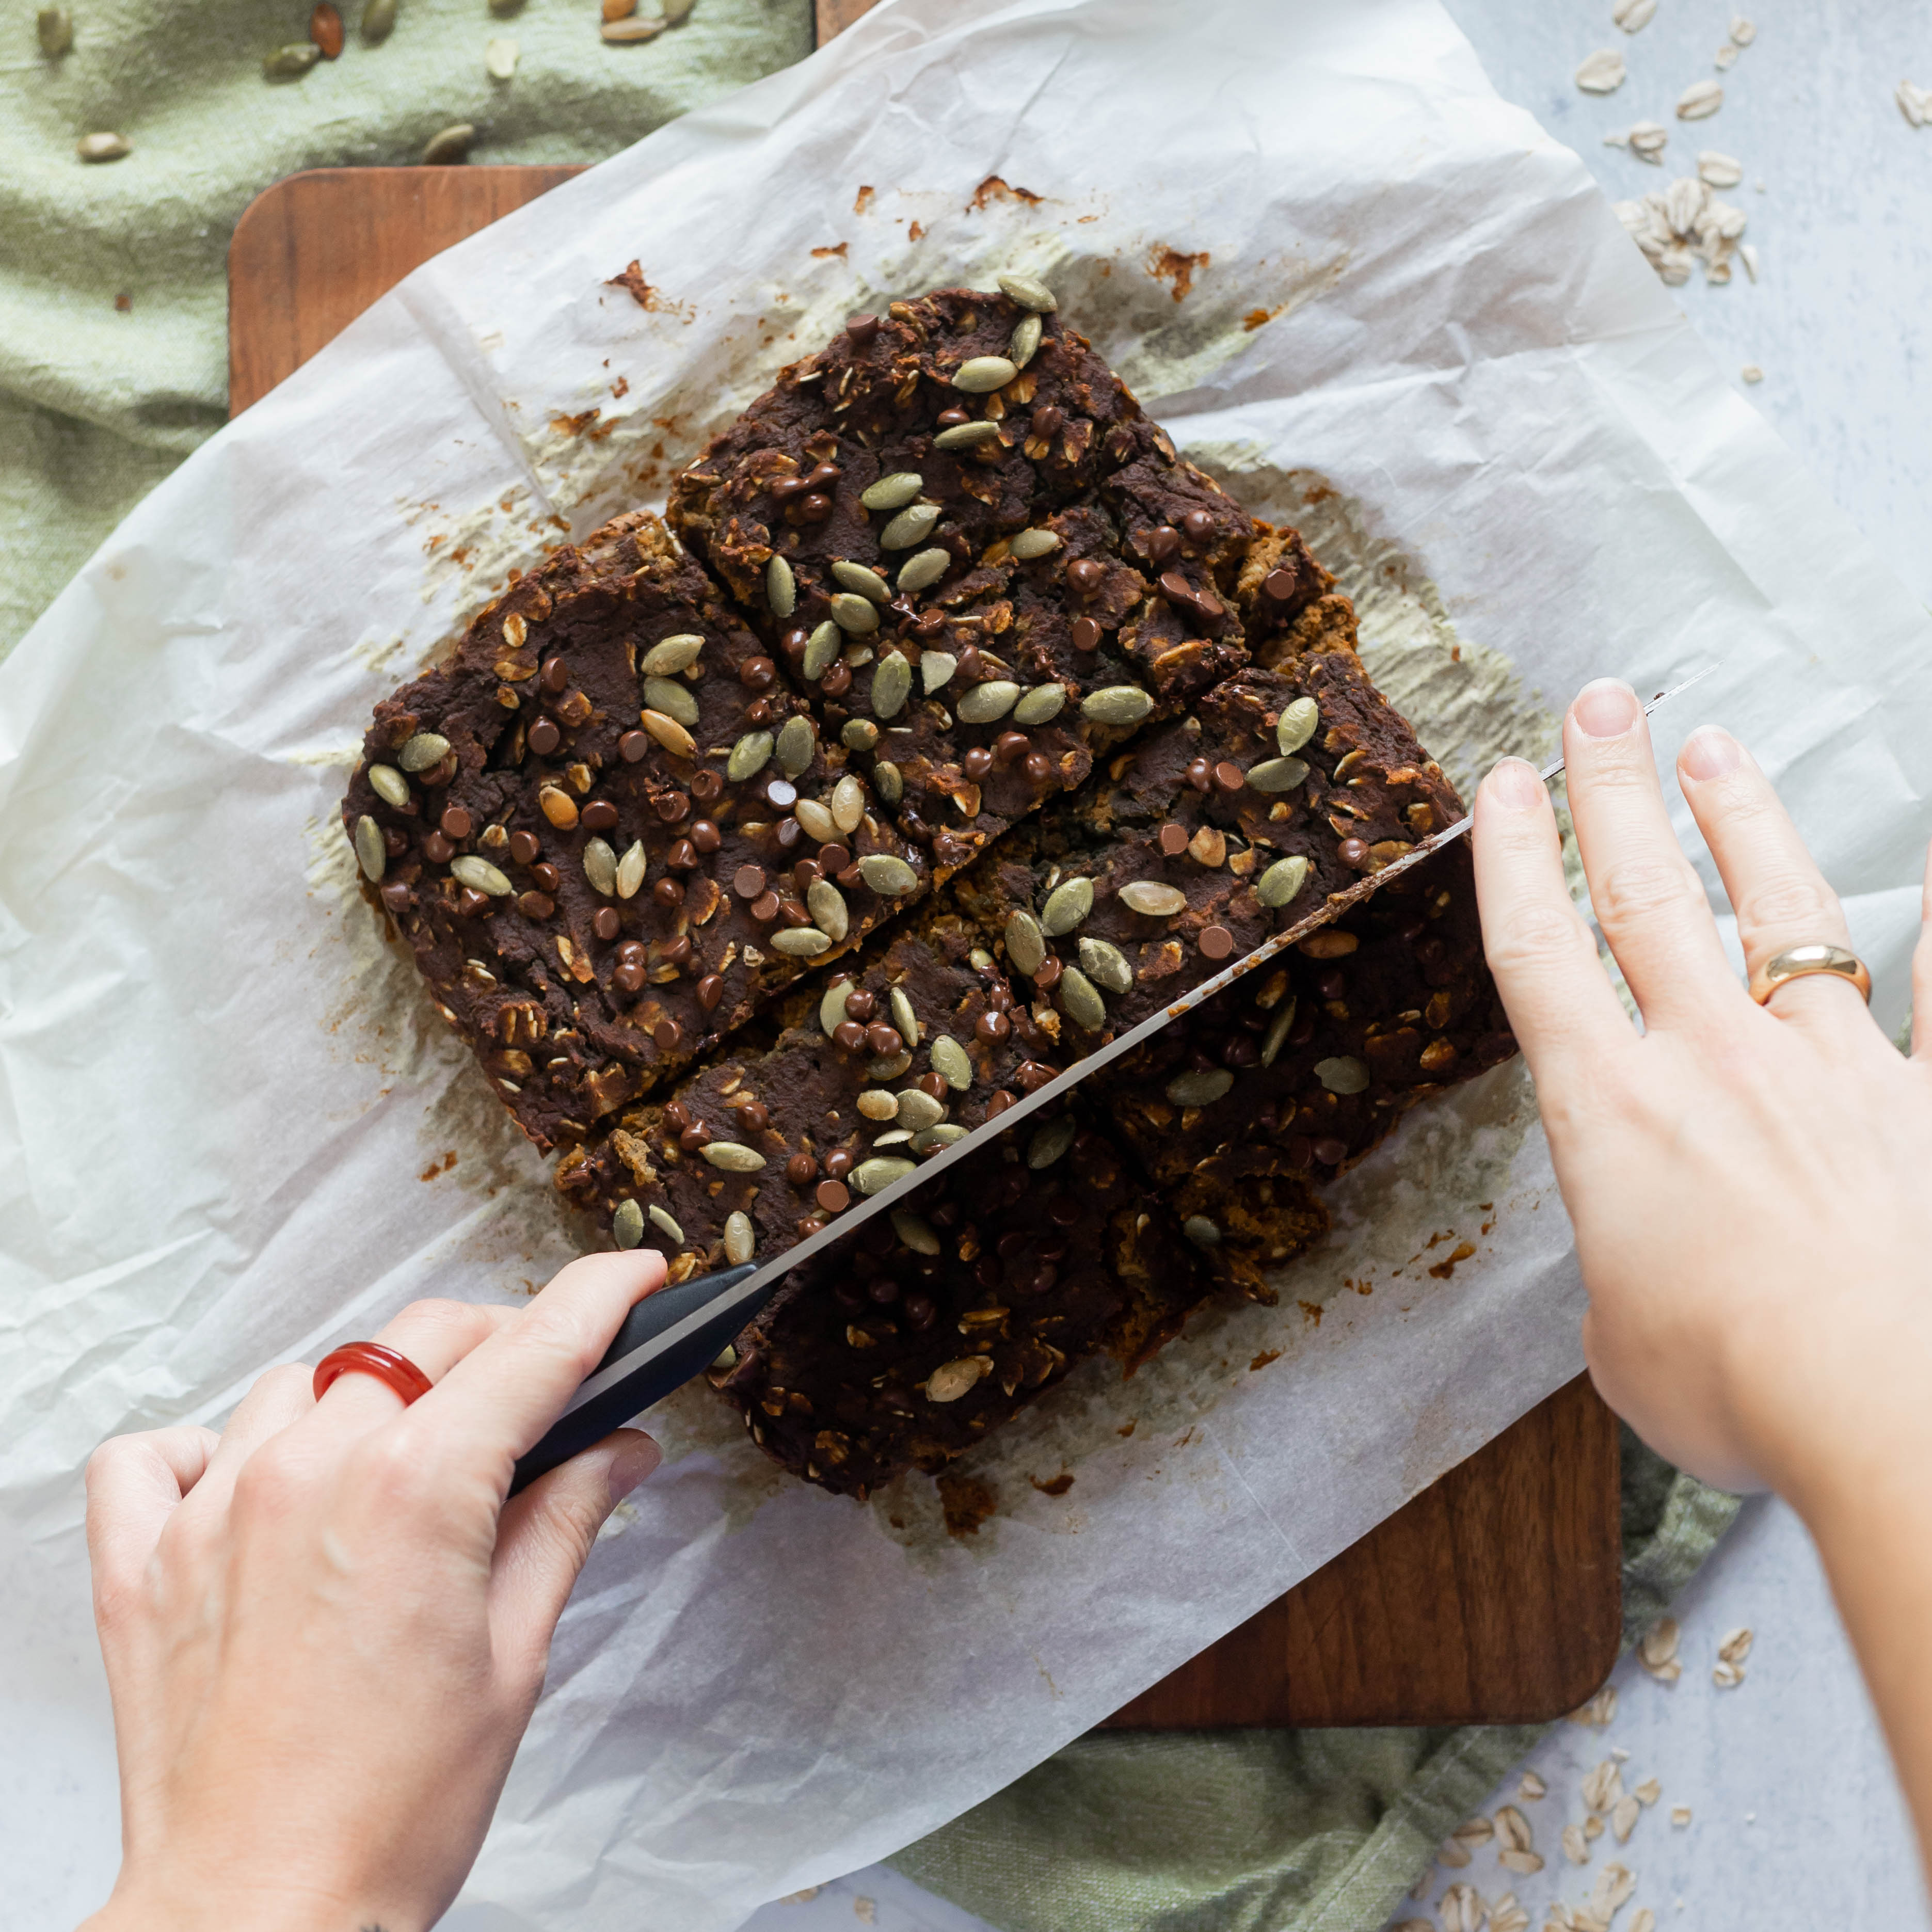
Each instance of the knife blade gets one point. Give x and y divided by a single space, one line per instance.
671 1336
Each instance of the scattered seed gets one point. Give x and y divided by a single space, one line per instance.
1042 702
889 1070
936 669
951 1061
740 1238
896 1137
892 685
499 58
600 867
794 746
449 147
1066 905
1050 1142
886 874
631 871
800 942
669 656
1699 100
816 819
669 733
389 785
102 147
674 697
1280 884
1020 350
749 756
918 1110
627 1224
1751 373
1633 16
292 62
827 905
1027 544
1028 291
1106 966
1342 1075
858 734
1155 900
966 436
1276 1036
624 33
894 492
480 876
821 648
856 615
904 1018
1199 1087
1203 1233
875 1103
54 26
921 571
371 854
866 583
885 778
733 1157
831 1006
980 375
950 1380
558 806
1296 725
379 21
848 803
1116 704
780 587
910 527
1081 1001
871 1176
1277 774
982 703
1602 73
1026 945
944 1135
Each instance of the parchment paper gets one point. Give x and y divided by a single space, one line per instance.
1352 281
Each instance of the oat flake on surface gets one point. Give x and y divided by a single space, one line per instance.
1532 1786
1751 373
1699 100
1743 31
1602 72
1726 56
1633 16
1716 170
1680 1816
1915 104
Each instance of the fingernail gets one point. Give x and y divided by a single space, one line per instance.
1515 784
1605 709
634 1461
1711 752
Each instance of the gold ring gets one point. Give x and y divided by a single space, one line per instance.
1795 961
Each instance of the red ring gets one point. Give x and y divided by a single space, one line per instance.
372 1358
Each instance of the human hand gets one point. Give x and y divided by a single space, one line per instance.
324 1630
1748 1184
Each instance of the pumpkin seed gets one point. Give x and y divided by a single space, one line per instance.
894 492
1028 291
674 698
952 1061
821 648
1026 340
891 785
981 703
867 583
966 436
103 147
479 875
450 146
831 1006
600 866
292 62
858 734
871 1176
848 803
936 669
816 819
944 1135
1082 1000
909 526
425 749
733 1157
1296 725
1050 1142
661 1220
1276 1036
669 655
1155 900
916 1230
1277 774
379 21
749 756
1202 1232
924 568
827 905
1026 944
1199 1087
739 1238
904 1018
1027 544
951 1380
54 26
1278 886
889 1070
1342 1075
855 614
1066 905
668 732
794 744
1106 966
800 942
627 1225
389 785
887 874
630 870
892 685
980 375
725 1360
1116 704
499 58
980 960
918 1110
875 1103
893 1137
1038 705
780 587
371 854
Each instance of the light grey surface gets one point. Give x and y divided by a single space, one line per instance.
1796 1820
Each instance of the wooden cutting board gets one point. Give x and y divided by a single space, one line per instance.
1494 1596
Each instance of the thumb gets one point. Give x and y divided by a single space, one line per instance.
545 1534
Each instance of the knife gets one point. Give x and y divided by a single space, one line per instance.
674 1334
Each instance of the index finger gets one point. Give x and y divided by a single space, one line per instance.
1560 1005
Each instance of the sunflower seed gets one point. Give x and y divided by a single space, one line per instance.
499 58
891 787
425 749
1199 1087
821 648
894 1137
918 1110
1066 905
858 734
1025 341
1602 73
450 146
371 854
923 569
951 1380
936 669
1633 16
1278 886
668 732
904 1018
54 26
630 870
669 655
479 875
292 62
848 803
979 375
102 147
1154 901
623 33
891 876
816 819
867 583
749 756
1042 702
1028 291
1277 774
800 942
1116 704
892 685
661 1220
871 1177
1026 945
1081 998
966 436
1296 725
389 785
733 1157
1050 1143
1202 1232
827 905
910 527
379 21
627 1225
600 867
1106 966
740 1238
674 697
982 703
1276 1035
780 587
855 614
875 1103
831 1006
952 1063
894 492
1028 544
1699 100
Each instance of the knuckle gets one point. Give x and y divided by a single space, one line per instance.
1787 902
272 1481
1636 891
1534 939
395 1464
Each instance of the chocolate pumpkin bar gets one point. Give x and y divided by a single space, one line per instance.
931 1326
610 832
919 1040
979 558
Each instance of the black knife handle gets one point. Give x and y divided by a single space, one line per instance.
692 1353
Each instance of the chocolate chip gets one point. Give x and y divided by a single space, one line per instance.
1010 745
1229 776
599 815
748 881
1161 542
524 848
920 1311
861 329
952 418
833 858
832 1196
884 1039
998 1101
754 1114
793 914
967 670
765 907
789 833
824 476
1086 634
781 794
839 1162
994 1026
1353 853
861 1006
547 877
395 842
682 856
1198 526
668 893
757 673
1331 1153
949 849
629 976
849 1034
1200 774
813 508
707 788
978 763
1062 1210
1086 574
934 1083
1047 976
668 1036
456 822
678 950
710 991
804 875
1031 1075
801 1170
471 903
544 737
437 849
1038 767
1217 943
1281 584
694 1138
837 681
1049 420
671 806
632 952
555 675
398 895
1173 840
535 905
606 924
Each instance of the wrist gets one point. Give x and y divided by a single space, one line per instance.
190 1902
